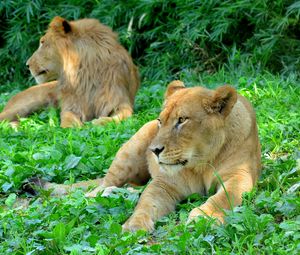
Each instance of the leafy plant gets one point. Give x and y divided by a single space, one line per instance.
201 42
266 223
166 37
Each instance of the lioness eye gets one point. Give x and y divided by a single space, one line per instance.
181 120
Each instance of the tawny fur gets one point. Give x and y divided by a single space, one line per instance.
203 139
96 78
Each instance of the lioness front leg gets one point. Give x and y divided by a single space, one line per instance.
157 200
122 113
228 196
30 100
129 165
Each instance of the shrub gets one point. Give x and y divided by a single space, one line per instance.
165 36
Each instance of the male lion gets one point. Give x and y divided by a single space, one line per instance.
96 78
203 139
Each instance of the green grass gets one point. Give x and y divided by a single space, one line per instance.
268 222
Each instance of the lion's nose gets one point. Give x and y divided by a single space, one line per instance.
157 150
28 62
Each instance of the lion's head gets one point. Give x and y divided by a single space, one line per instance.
46 64
192 126
67 45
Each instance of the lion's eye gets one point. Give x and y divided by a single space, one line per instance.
159 122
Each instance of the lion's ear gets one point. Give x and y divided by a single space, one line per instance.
60 25
223 100
173 86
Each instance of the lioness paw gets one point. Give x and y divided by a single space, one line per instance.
94 192
106 191
198 212
194 215
141 222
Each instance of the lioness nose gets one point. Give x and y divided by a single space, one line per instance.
157 150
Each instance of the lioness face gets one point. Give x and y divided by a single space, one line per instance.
44 64
191 129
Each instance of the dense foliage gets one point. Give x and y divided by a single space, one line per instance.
165 36
267 223
209 42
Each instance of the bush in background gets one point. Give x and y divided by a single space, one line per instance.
165 37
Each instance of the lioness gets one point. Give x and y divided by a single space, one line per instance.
96 78
202 137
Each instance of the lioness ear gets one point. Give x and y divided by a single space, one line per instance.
60 25
224 99
173 86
